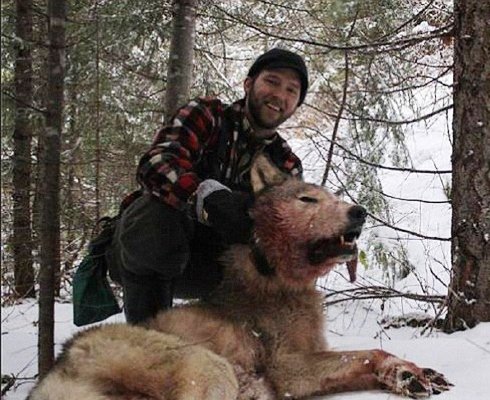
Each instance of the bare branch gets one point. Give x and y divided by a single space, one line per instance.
378 292
412 233
337 120
371 164
388 225
383 121
11 96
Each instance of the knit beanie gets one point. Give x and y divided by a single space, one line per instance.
280 58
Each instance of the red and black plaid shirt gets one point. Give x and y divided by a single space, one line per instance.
183 153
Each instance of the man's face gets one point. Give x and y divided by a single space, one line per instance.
272 97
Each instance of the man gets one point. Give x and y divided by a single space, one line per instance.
199 165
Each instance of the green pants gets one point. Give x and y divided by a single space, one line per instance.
160 253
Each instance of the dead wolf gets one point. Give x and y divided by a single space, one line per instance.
260 335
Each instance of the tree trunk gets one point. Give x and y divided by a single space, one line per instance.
180 60
40 99
22 235
469 295
98 160
50 218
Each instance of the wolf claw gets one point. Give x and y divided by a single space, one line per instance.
438 381
416 387
408 380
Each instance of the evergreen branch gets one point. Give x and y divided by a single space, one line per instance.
337 120
285 7
408 22
218 71
390 45
410 41
13 97
108 56
342 105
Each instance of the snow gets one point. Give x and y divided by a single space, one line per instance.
463 357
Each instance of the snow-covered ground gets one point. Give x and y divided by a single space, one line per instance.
463 357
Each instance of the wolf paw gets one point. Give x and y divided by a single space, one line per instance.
438 381
408 380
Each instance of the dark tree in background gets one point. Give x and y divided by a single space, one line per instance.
22 234
50 163
469 292
181 56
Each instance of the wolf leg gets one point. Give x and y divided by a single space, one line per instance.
299 375
203 375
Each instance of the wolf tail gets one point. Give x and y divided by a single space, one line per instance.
57 387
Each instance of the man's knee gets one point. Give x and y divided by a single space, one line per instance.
153 237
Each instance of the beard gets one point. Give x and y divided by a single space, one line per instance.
261 116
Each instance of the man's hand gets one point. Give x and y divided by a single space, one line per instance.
204 189
226 211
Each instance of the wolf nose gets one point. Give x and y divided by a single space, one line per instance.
357 215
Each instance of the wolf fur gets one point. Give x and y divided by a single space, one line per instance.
260 335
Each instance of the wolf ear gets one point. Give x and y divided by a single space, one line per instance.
264 173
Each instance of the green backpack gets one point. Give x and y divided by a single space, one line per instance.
93 299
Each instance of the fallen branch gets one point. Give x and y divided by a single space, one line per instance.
378 292
9 381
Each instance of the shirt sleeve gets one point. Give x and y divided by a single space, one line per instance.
168 169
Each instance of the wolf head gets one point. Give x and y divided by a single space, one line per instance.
301 229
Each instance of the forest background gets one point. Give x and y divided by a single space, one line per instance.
81 99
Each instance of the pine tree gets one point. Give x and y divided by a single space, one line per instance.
469 294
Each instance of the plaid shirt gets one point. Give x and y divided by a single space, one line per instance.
185 152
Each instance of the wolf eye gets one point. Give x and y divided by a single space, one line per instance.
308 199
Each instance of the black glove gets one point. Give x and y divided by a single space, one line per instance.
228 215
225 211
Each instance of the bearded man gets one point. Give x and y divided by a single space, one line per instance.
195 187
